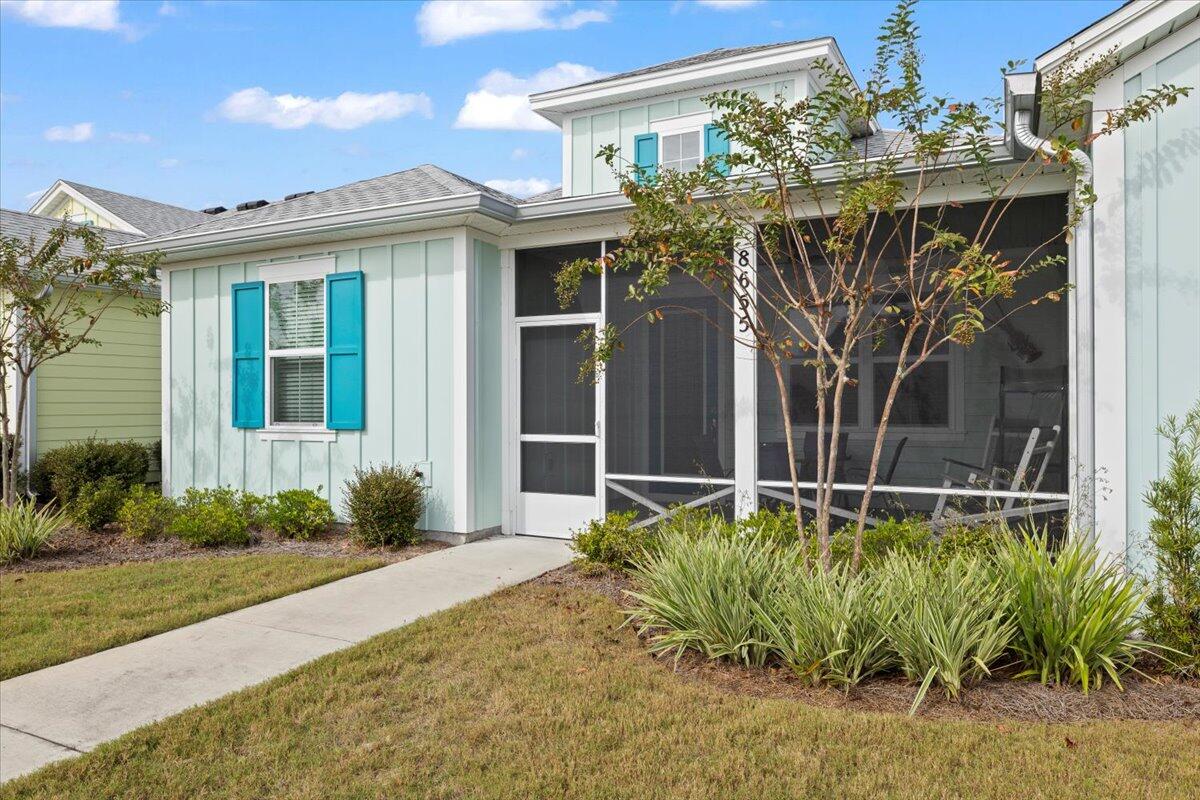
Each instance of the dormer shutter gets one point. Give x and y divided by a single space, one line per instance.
716 143
645 154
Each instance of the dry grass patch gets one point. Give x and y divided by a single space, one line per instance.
47 618
537 692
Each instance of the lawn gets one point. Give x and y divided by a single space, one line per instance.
537 692
50 617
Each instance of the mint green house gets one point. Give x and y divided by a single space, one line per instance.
411 318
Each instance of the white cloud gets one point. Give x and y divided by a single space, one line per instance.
96 15
168 9
445 21
519 154
169 163
520 187
728 5
79 132
345 112
131 137
502 100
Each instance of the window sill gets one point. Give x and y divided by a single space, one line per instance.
282 434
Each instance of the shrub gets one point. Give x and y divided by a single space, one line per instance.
1173 607
611 542
1075 613
212 517
831 625
906 535
776 525
145 514
384 505
951 622
986 540
24 529
64 471
299 514
708 593
96 504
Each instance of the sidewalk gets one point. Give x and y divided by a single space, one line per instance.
71 708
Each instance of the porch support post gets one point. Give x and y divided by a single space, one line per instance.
745 383
1081 377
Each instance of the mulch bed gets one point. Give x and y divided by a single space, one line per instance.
71 548
1000 701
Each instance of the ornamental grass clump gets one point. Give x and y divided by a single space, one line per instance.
25 529
709 593
1075 613
830 626
951 622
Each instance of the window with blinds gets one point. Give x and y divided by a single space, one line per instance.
296 352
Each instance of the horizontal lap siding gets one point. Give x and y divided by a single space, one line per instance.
409 380
109 391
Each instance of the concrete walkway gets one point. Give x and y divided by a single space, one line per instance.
71 708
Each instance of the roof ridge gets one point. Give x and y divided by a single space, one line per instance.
78 185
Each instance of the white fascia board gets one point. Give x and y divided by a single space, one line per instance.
60 187
413 210
556 104
1125 29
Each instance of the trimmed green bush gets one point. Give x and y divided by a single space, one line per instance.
1173 607
213 517
951 622
831 626
384 505
707 593
611 542
145 514
62 472
1075 613
299 514
907 535
25 529
96 504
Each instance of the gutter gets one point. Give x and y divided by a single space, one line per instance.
1022 106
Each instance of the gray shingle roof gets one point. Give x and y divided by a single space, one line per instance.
21 225
426 182
553 194
699 58
149 216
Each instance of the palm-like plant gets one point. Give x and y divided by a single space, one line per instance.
25 529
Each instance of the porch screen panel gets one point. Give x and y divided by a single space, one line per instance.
552 400
536 269
669 391
982 405
558 468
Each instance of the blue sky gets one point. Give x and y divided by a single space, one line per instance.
205 103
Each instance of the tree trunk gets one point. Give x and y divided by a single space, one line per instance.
777 367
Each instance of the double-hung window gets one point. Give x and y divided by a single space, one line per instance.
296 352
681 151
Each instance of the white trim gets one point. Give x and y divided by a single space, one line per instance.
463 401
509 383
931 490
306 269
682 124
283 433
61 187
745 393
165 380
1132 25
697 480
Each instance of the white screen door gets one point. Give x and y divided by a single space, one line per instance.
559 430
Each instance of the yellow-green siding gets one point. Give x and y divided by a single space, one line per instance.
109 391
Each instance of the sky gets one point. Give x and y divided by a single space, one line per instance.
215 103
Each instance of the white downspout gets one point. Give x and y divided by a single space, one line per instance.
1081 321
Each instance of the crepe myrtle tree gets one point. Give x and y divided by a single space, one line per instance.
853 247
52 302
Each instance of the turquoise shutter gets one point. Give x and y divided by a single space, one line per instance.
345 364
248 354
716 143
645 153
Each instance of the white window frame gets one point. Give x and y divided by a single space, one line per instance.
290 272
673 126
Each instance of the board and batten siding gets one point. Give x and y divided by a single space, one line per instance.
409 297
1162 278
489 334
108 390
590 132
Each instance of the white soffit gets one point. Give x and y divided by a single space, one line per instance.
1130 29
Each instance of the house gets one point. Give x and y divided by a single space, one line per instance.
411 318
110 390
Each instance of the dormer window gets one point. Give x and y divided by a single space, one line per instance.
681 151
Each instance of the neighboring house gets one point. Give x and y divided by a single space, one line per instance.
411 319
111 390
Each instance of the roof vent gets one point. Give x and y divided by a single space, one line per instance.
294 195
251 204
214 210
